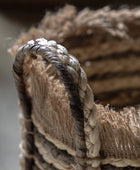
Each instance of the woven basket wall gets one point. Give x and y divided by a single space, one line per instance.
106 42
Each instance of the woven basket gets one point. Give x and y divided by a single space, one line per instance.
62 127
106 40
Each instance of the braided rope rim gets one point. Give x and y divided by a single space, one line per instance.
69 70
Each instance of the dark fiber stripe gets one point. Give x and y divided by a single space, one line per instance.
116 56
112 75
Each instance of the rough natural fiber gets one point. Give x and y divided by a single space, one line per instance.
119 135
62 128
56 56
106 40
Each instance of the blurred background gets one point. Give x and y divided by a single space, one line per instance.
12 23
17 17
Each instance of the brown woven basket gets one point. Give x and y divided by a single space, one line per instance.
62 127
106 40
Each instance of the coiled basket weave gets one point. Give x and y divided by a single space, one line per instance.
62 127
107 44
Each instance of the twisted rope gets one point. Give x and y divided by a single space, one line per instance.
58 56
86 97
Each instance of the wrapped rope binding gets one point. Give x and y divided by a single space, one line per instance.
62 127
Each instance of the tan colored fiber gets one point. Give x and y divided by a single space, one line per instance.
65 27
105 41
53 80
119 132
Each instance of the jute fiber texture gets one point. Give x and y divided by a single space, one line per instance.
62 127
107 40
